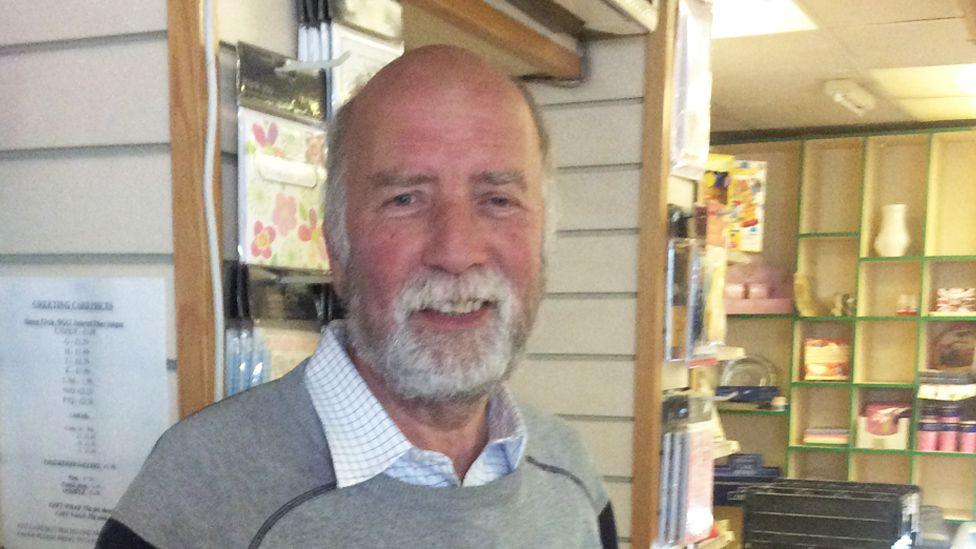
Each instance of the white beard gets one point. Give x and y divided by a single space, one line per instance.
417 364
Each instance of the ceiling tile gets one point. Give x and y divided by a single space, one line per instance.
910 44
831 13
742 57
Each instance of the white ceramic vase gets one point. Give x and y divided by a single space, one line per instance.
893 239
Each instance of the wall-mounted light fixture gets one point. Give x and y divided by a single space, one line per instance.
850 95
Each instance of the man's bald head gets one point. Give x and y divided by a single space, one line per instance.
443 75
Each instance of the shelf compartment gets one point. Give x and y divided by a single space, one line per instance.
814 463
930 337
884 352
831 267
818 407
946 482
881 284
881 466
900 441
768 337
766 438
895 173
946 274
951 213
783 172
830 192
804 329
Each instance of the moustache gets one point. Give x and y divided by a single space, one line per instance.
455 294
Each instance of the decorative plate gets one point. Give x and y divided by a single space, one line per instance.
749 371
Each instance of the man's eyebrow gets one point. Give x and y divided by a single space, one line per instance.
503 177
397 179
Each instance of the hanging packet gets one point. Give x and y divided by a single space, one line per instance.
281 162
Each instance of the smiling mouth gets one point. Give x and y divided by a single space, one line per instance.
459 308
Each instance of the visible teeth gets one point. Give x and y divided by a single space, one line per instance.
456 307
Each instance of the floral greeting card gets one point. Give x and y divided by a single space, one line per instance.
281 172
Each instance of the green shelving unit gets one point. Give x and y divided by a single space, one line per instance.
841 184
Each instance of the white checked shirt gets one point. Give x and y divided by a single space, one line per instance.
364 441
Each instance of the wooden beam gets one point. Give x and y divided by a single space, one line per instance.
483 22
191 271
652 258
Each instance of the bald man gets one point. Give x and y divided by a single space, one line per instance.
398 431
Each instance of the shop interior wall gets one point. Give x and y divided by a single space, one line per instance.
84 142
85 187
580 359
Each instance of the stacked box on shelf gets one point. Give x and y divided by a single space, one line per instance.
830 514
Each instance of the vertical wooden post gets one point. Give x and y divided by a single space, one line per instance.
652 255
191 272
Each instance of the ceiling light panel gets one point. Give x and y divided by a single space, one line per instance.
935 81
940 108
735 18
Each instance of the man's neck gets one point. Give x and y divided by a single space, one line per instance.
457 430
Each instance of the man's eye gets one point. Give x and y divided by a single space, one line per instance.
403 200
500 201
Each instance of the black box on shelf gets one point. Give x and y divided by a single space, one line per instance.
813 513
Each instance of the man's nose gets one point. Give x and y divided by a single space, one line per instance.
457 238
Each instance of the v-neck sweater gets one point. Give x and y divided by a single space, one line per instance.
254 470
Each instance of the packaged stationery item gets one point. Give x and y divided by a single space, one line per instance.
747 199
825 435
884 425
281 163
948 437
967 437
928 435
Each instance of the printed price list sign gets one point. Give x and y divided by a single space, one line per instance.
83 397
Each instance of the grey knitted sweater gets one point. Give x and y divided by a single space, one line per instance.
254 471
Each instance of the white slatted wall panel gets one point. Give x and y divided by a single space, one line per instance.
85 183
580 362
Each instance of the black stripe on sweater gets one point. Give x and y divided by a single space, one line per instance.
115 535
284 509
608 526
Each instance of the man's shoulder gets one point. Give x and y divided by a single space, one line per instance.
555 447
255 412
229 465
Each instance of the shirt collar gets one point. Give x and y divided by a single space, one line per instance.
363 439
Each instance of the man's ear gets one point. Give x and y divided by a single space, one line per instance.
338 275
